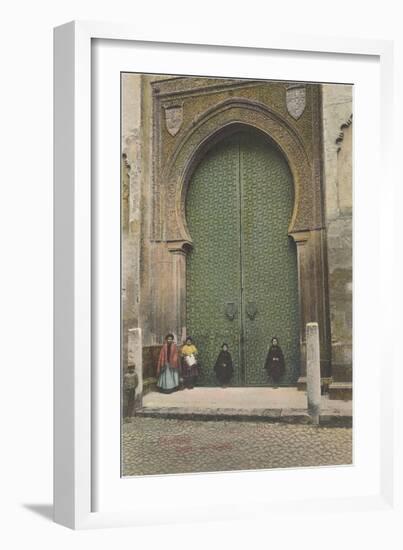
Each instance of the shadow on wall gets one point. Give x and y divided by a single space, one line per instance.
44 510
150 360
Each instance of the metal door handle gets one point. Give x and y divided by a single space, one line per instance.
251 310
231 310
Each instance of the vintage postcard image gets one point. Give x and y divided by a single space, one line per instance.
236 274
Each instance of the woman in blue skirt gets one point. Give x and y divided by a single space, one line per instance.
168 366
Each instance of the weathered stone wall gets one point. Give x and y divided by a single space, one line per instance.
156 262
131 220
337 140
144 262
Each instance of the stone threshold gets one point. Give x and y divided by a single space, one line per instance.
287 416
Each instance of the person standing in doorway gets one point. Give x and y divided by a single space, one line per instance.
168 366
224 367
275 364
190 369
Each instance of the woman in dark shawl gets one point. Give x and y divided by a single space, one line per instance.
224 367
275 364
168 366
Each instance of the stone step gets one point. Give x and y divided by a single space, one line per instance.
287 416
342 373
341 391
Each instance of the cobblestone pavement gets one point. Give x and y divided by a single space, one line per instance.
162 446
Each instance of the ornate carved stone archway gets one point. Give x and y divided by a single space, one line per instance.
218 121
177 155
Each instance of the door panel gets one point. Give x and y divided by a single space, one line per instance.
238 208
269 267
213 266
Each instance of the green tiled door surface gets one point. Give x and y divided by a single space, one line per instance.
213 270
269 274
242 272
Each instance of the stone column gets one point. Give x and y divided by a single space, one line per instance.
135 356
179 289
313 301
300 240
313 370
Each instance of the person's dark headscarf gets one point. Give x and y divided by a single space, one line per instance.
275 364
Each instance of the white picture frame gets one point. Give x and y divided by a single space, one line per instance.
79 439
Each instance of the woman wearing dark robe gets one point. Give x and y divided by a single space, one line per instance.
224 367
168 366
275 364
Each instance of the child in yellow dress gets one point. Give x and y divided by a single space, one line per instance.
189 367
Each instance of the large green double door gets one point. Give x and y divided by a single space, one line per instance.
241 283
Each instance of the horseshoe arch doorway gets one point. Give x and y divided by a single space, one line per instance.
241 275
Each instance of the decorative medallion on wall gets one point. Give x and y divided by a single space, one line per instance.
296 100
173 118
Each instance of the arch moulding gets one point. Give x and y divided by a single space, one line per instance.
212 126
173 172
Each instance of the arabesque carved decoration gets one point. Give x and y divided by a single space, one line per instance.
225 117
213 110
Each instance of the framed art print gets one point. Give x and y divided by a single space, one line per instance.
236 221
214 206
